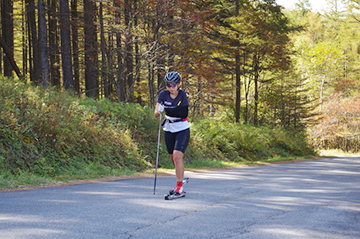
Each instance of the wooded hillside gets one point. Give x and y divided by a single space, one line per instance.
251 60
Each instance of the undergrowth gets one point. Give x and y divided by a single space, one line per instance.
50 135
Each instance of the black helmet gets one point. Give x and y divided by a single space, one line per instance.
172 77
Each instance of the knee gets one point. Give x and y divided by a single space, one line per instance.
177 157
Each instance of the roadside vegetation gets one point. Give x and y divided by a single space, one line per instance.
49 136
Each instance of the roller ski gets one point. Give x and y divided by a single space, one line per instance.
178 191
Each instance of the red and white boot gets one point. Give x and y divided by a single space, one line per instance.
178 191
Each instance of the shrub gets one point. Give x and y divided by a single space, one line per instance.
243 142
47 131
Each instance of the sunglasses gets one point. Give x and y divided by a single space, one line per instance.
171 85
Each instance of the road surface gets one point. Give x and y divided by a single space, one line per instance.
309 199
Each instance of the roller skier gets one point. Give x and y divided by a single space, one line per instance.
176 127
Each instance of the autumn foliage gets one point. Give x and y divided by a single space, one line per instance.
339 125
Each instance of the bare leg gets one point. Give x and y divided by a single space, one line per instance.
177 160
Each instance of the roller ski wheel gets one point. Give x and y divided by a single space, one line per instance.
174 196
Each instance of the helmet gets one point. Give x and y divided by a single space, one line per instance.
172 77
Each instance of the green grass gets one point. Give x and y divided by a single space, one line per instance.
24 179
48 136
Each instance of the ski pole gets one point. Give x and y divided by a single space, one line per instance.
157 154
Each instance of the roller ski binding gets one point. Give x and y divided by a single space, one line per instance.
178 191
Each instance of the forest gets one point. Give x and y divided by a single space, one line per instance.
248 61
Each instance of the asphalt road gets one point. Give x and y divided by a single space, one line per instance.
308 199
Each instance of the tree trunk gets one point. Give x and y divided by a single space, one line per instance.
75 45
68 82
160 65
43 44
237 73
128 58
9 57
24 39
104 67
246 89
7 25
238 87
91 50
256 87
120 84
34 54
151 84
111 66
137 58
54 44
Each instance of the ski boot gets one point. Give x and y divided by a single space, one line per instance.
178 191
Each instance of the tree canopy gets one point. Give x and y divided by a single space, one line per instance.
246 61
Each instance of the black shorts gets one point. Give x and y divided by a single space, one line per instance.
177 141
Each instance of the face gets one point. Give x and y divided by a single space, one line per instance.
172 87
